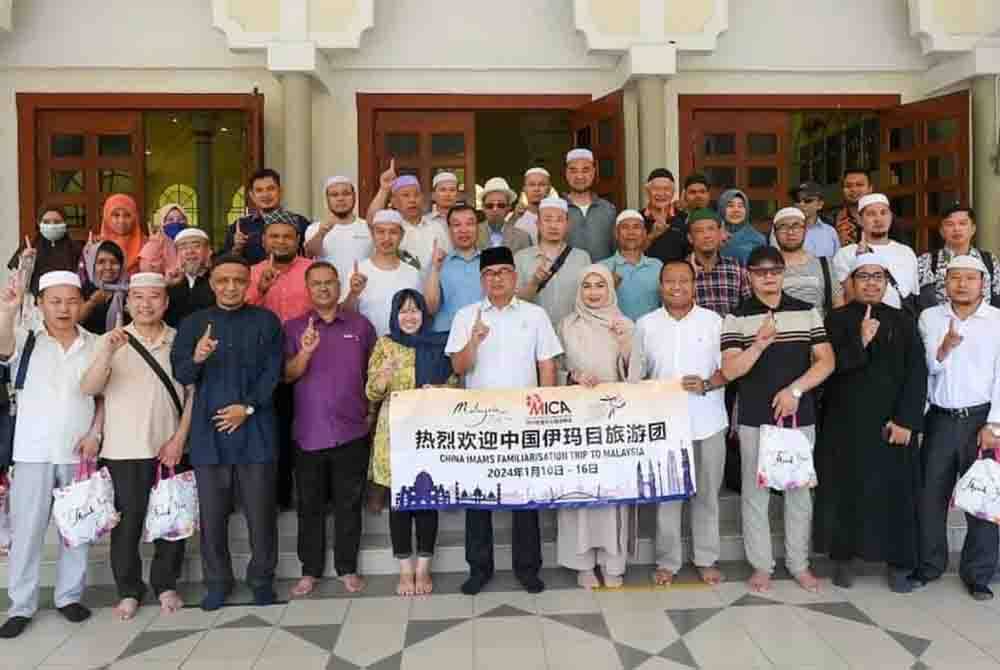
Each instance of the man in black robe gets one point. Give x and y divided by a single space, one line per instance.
189 288
866 457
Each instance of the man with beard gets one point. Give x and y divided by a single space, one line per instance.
855 184
452 283
867 460
245 237
232 354
806 277
963 356
188 288
591 217
342 238
876 220
537 185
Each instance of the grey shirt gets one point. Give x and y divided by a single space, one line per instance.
558 298
806 282
595 231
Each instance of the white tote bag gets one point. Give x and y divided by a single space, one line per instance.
85 509
978 491
784 459
173 513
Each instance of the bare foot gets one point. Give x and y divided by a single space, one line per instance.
354 583
407 586
613 581
807 580
304 586
760 581
170 602
663 577
425 585
127 608
587 579
711 575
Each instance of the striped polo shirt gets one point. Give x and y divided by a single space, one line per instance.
785 360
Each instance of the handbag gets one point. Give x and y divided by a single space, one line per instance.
978 491
8 401
785 458
84 510
158 369
173 512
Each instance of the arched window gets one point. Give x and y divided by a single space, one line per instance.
237 206
183 195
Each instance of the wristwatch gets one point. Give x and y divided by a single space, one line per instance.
100 437
706 386
796 392
249 410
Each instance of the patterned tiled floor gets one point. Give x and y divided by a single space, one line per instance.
635 628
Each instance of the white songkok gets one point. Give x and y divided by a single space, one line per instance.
554 203
338 179
628 214
580 154
189 234
388 216
967 262
789 213
537 170
442 177
147 280
58 278
871 199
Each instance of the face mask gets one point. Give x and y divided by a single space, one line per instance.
52 231
171 229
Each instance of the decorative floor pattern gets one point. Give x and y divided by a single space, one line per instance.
635 628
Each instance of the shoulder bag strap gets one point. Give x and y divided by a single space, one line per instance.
158 369
22 364
824 263
556 264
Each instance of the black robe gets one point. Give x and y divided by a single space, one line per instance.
186 300
866 501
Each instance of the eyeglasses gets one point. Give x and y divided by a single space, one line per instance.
870 276
789 227
502 273
495 205
767 272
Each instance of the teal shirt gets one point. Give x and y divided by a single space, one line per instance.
639 290
742 242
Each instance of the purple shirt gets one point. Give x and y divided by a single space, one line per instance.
330 403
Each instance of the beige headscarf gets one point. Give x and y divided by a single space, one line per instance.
588 340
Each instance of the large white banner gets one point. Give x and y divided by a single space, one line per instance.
563 446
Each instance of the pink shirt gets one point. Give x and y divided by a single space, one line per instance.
287 297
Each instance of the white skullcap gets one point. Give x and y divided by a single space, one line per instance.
388 216
189 234
554 203
580 154
58 278
147 280
790 213
537 170
967 262
628 214
869 258
443 176
338 179
871 199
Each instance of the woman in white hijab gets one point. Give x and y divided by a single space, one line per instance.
597 339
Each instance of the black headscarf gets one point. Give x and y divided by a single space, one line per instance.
433 365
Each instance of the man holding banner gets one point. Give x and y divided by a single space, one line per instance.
502 342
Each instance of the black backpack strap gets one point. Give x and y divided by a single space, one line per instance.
824 263
934 263
556 264
22 364
158 369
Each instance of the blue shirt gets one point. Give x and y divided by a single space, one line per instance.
639 290
742 242
821 239
460 286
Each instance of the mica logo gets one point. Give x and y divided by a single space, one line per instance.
539 407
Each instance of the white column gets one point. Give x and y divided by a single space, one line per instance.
986 161
297 180
652 125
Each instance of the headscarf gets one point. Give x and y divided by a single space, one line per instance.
131 243
587 338
160 245
157 225
724 202
117 288
63 254
433 366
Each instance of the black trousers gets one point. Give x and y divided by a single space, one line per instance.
949 450
217 485
401 530
527 543
341 471
133 479
284 412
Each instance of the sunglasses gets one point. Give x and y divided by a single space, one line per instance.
495 205
767 272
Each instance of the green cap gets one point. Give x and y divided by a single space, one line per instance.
702 214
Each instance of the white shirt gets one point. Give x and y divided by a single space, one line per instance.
668 348
418 241
376 300
903 266
53 414
520 336
970 374
529 224
344 245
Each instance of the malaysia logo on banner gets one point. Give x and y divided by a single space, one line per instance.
550 447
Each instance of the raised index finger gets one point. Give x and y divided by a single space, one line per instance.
868 312
27 242
208 330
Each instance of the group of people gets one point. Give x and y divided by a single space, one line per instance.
268 368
